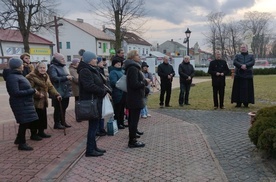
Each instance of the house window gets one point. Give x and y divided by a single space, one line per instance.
68 58
143 50
133 48
99 45
164 51
68 45
104 47
147 51
129 48
60 45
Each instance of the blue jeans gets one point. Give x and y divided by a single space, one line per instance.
144 111
91 135
184 93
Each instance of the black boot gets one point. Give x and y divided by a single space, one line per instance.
58 126
24 146
35 137
42 134
16 141
93 154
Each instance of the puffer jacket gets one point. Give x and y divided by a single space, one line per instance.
136 84
114 76
248 60
58 77
43 85
21 97
91 84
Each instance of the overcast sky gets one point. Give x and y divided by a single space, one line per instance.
169 19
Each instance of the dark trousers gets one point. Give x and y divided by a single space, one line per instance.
21 136
91 135
184 93
133 119
40 124
218 90
119 112
57 111
165 88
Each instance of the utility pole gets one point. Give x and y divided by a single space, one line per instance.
56 30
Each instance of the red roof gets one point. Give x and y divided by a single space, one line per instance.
9 35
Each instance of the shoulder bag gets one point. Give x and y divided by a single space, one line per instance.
86 110
122 83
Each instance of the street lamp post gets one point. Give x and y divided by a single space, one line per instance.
188 34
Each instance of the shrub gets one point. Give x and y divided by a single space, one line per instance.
263 131
201 73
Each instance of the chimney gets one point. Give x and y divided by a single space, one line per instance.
103 27
172 40
80 20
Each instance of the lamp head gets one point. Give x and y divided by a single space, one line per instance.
188 33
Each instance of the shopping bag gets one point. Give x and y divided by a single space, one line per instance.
107 107
86 110
122 83
112 127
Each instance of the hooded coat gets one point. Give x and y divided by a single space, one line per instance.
21 97
58 77
136 84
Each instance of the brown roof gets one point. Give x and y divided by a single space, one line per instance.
10 35
86 27
132 38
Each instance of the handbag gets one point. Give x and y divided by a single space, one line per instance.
112 127
86 110
107 107
122 83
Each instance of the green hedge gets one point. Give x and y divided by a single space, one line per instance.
265 71
263 131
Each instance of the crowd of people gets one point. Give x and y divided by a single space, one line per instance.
29 88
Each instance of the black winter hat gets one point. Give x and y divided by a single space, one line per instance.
116 60
144 64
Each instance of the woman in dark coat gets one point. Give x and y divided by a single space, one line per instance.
91 84
136 84
243 88
61 80
40 81
21 100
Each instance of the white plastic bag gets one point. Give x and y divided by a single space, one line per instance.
122 83
107 108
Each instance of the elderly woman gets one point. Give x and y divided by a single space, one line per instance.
136 84
40 81
61 80
21 100
91 84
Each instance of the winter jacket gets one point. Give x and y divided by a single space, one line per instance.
248 60
165 69
136 84
21 97
58 77
218 66
28 68
91 84
44 86
75 81
185 70
114 76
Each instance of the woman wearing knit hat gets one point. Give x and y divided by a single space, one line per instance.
91 85
61 80
21 100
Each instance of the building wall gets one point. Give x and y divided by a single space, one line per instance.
37 52
170 47
143 50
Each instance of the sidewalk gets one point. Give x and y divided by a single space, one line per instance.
175 150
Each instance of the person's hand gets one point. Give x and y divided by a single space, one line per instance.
41 95
59 98
69 77
148 80
222 74
243 67
170 76
217 73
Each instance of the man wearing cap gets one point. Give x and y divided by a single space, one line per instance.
61 80
21 100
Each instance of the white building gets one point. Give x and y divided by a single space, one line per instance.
74 35
132 41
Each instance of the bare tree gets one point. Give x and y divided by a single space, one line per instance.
26 16
234 39
124 15
258 24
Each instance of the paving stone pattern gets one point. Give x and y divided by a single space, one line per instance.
227 134
175 151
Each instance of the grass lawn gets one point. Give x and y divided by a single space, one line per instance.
201 95
1 79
